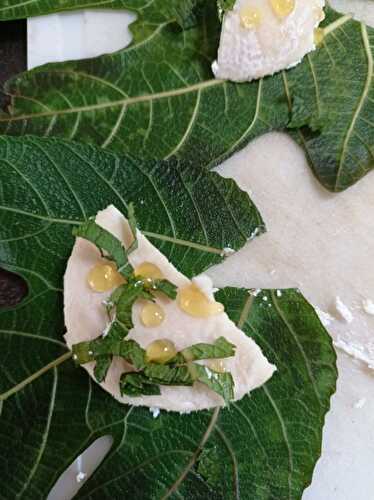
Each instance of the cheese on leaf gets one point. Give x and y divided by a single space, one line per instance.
86 319
261 37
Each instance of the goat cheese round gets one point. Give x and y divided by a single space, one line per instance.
261 37
86 319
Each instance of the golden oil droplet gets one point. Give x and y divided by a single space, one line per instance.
250 18
104 277
217 365
195 303
152 315
160 351
283 8
318 36
149 271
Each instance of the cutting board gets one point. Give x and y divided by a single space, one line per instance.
322 243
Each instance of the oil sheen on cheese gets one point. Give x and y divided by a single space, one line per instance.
262 37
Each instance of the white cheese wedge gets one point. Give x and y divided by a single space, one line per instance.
85 319
256 42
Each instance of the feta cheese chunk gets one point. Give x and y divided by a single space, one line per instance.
261 37
85 319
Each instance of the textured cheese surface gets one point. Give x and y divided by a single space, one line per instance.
276 44
85 319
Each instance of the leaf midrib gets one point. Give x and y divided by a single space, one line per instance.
121 102
365 93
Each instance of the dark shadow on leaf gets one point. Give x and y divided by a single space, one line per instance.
13 289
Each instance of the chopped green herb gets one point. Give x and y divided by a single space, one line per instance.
221 348
224 6
110 247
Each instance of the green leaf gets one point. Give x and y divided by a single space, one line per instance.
189 214
158 99
151 100
108 244
264 446
336 103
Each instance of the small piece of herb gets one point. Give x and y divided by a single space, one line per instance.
224 6
110 247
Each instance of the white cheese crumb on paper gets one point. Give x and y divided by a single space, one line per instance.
360 403
343 310
227 251
155 411
368 306
356 351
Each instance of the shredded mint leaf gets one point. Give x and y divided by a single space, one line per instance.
130 293
133 226
221 348
105 242
221 383
135 384
224 6
101 368
165 287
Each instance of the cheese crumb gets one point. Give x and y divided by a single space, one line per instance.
343 310
356 351
368 306
279 293
227 251
81 476
360 403
155 411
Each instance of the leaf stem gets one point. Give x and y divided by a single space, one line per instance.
36 375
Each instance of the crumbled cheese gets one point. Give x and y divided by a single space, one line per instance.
360 403
343 310
227 251
81 476
254 293
356 351
254 234
279 293
265 298
368 306
325 318
155 411
248 51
